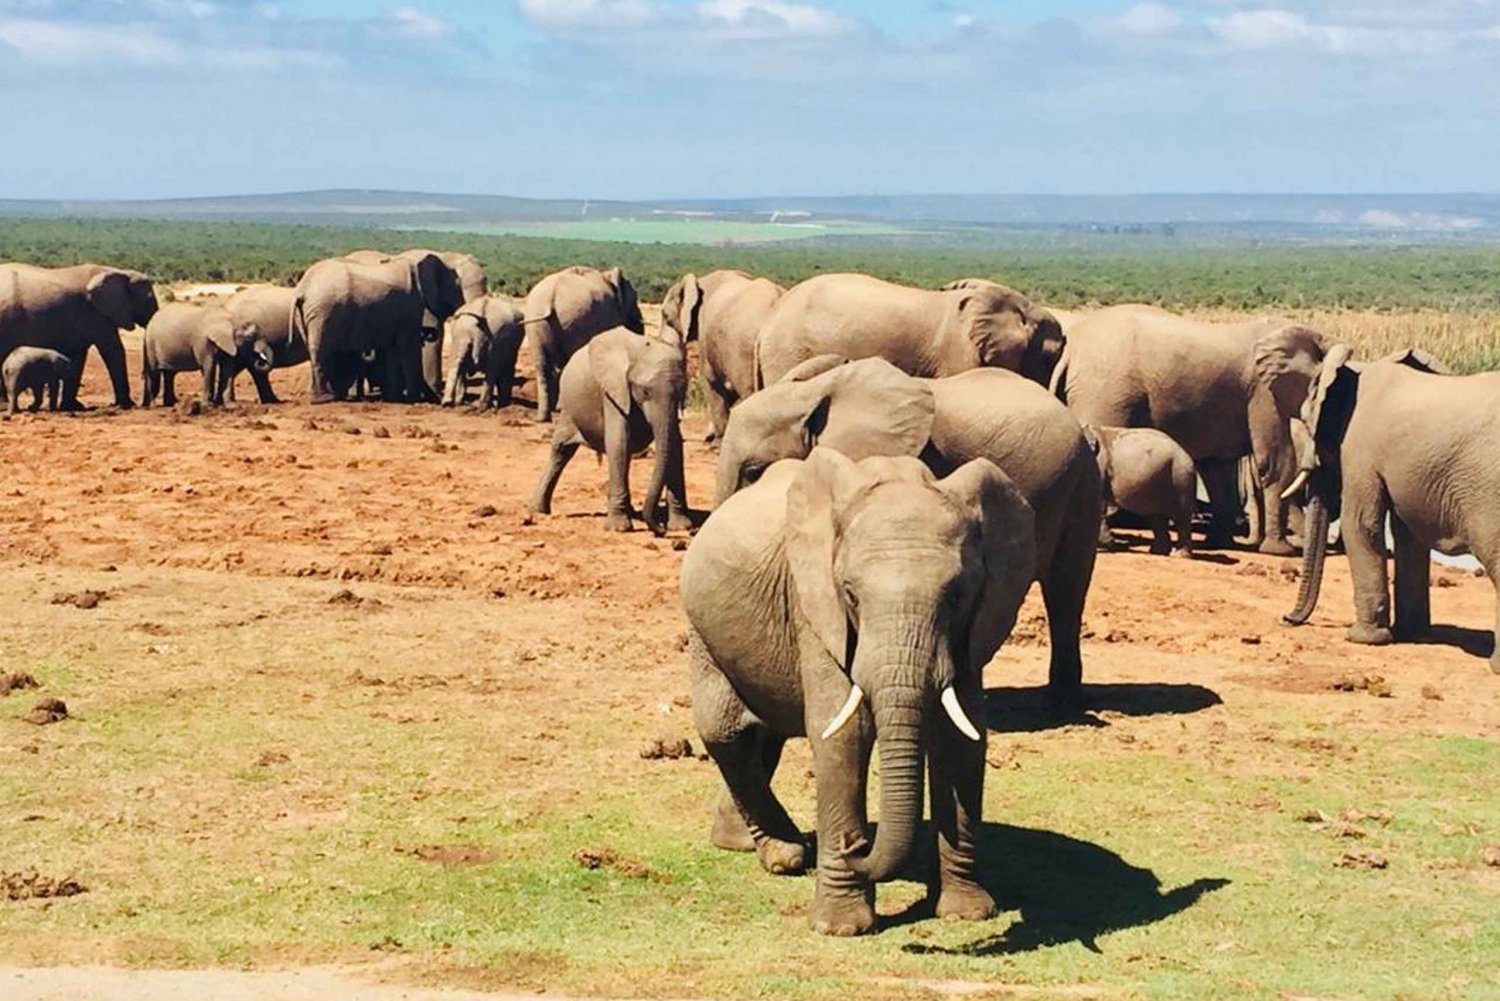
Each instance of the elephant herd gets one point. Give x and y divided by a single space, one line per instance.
896 466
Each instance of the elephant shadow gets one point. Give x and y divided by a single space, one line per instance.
1474 642
1027 710
1066 890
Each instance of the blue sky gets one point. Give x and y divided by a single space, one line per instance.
664 98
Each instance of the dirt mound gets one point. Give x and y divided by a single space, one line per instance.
608 858
15 681
47 711
31 885
80 599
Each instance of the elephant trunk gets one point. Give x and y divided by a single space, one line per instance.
1314 554
898 710
666 437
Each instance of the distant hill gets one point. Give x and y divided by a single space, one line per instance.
1442 216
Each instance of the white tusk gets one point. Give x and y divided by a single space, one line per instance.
1297 485
956 714
844 715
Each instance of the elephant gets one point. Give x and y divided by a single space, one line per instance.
72 309
723 311
346 311
1404 438
870 407
36 369
484 336
924 333
472 284
269 308
851 602
621 393
1146 473
187 337
564 311
1220 390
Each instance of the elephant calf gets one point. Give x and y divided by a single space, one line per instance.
484 336
621 392
186 337
1146 473
35 369
856 602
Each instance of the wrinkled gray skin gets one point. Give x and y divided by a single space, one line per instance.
1399 437
1221 390
870 407
483 337
1148 474
830 572
472 282
620 393
70 310
723 311
347 311
36 369
191 337
564 311
269 308
977 324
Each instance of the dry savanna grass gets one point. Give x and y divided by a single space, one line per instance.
1467 341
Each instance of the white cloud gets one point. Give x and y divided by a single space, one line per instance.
1283 29
726 20
59 43
771 19
412 23
1144 20
593 15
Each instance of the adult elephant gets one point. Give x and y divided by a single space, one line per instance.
922 332
870 407
1221 390
471 281
346 311
564 311
723 311
269 309
854 603
1398 438
72 309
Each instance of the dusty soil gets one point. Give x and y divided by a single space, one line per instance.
368 504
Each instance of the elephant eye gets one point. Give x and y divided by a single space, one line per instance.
751 473
851 601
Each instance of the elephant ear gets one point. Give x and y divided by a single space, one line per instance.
1330 401
874 408
1006 548
609 361
438 284
1044 348
679 309
812 368
992 321
221 333
109 293
1420 360
822 489
1286 360
630 308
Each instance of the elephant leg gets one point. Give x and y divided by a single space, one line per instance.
565 443
36 398
502 372
169 389
546 385
432 360
718 411
1221 480
263 389
1364 544
617 456
1184 521
1255 501
1065 587
54 387
843 902
1161 536
1412 585
737 741
74 379
1495 655
321 389
956 766
212 392
1276 512
729 830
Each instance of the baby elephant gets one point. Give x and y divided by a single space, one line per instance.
1146 473
484 336
35 369
187 337
619 393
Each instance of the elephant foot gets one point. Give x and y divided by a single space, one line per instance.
1277 547
617 521
844 913
125 404
1218 540
730 831
965 901
678 521
1370 635
1161 548
782 858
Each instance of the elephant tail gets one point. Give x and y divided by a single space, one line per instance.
297 322
546 317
